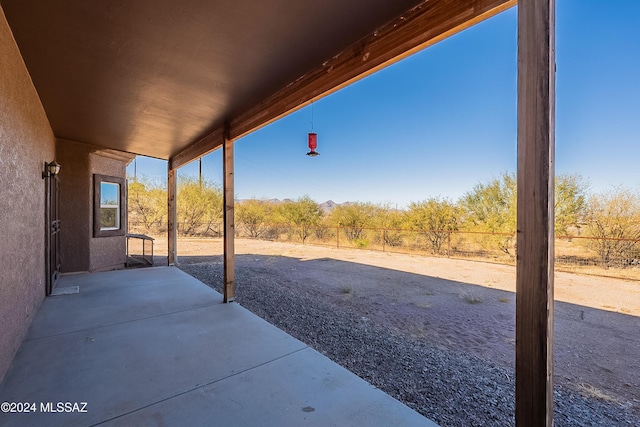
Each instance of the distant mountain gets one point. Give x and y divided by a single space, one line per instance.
274 201
326 207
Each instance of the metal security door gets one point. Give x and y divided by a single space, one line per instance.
53 233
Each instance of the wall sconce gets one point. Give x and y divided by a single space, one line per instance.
51 169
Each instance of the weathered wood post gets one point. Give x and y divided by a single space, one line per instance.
172 233
535 256
229 220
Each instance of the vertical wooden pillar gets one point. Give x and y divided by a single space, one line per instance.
229 222
535 250
172 214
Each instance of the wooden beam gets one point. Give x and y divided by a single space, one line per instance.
535 250
198 149
229 221
422 26
172 212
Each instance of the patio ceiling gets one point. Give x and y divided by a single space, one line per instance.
161 78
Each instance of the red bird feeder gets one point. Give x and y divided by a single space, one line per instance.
313 144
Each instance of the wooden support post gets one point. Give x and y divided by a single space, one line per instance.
535 255
172 214
229 222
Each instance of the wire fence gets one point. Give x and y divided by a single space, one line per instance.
609 257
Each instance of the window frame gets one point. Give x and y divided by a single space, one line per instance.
98 180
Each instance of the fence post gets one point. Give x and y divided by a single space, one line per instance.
384 238
449 244
337 237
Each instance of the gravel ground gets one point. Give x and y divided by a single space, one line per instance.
447 386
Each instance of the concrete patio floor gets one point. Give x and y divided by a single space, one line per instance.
155 346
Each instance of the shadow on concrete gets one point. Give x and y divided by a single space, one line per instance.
156 346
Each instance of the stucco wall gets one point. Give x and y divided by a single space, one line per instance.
81 251
75 205
107 253
26 142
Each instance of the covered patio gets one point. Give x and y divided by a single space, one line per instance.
156 346
92 85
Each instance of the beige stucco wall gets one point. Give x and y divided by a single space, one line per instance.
26 142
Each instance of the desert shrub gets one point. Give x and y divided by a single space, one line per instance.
199 205
360 242
435 219
353 218
613 221
302 215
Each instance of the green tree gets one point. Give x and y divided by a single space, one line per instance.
491 207
354 218
198 206
303 215
570 202
254 216
435 218
147 203
392 221
613 219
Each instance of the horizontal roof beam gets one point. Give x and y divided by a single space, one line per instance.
422 26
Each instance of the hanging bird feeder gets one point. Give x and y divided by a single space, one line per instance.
313 138
313 144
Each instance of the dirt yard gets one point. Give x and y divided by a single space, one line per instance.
468 306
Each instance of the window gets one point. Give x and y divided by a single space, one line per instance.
109 206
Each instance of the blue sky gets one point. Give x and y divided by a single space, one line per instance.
444 119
